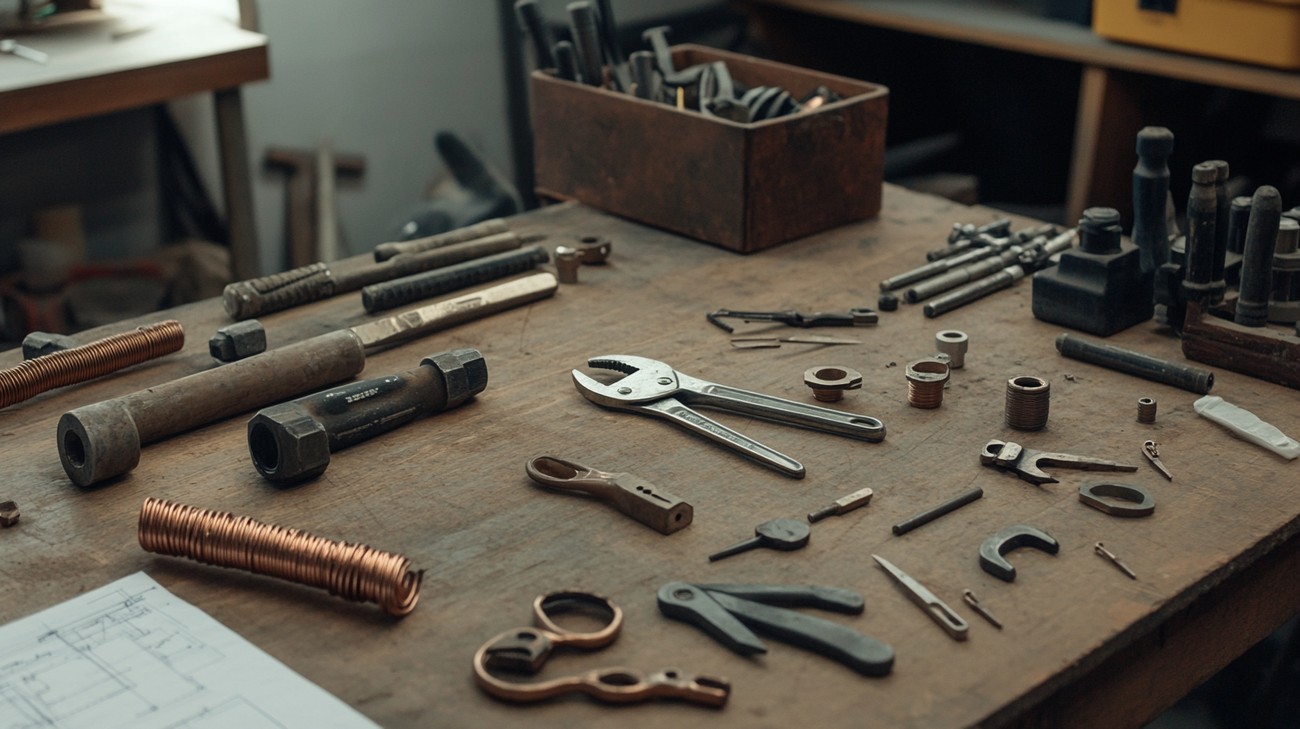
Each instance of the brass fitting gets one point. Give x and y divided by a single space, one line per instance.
829 383
925 381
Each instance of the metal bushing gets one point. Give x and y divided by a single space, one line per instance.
925 381
1028 400
1146 410
953 343
98 441
829 383
567 262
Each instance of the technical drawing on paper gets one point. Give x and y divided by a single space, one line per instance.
132 654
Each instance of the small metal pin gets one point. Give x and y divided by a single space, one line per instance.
843 505
1101 550
1150 449
970 599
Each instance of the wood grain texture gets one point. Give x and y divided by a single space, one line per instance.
450 492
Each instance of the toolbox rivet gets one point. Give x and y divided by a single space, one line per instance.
664 381
625 391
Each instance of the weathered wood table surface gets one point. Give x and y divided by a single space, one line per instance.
1083 645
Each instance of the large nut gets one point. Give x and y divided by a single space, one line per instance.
829 383
287 444
9 514
464 373
237 341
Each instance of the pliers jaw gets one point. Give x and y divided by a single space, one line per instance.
645 380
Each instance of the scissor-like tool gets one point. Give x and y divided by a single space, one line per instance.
655 388
1026 462
526 650
729 612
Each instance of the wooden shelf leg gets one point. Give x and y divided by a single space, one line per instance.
1105 132
237 183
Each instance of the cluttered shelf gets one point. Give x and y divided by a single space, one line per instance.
1117 89
1009 26
1080 641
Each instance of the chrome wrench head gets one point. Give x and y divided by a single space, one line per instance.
646 380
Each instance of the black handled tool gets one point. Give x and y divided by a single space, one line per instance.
785 535
732 613
292 441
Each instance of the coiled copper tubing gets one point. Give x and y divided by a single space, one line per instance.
1028 401
352 571
89 361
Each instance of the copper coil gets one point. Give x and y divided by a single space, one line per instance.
1146 410
925 382
352 571
1028 401
89 361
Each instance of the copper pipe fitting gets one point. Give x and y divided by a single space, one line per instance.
829 383
351 571
1028 400
89 361
925 381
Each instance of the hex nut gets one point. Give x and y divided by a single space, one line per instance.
953 343
887 302
237 341
9 514
287 444
828 383
464 373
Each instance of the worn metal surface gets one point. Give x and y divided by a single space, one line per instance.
100 441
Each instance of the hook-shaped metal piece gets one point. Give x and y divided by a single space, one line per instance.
994 549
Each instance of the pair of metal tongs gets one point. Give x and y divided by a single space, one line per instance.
654 388
526 650
731 613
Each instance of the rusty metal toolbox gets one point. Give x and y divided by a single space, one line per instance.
740 186
1266 32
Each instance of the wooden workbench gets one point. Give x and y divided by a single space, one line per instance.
1083 645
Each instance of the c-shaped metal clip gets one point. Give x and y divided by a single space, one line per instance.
994 548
